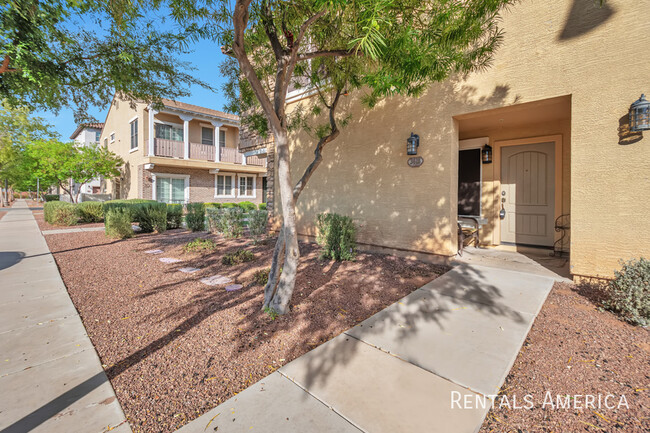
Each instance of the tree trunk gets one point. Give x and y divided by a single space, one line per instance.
274 273
282 295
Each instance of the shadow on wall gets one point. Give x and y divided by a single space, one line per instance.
122 185
585 16
625 136
364 173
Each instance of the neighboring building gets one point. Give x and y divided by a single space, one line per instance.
87 134
553 107
183 153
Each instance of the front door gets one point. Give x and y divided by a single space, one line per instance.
528 193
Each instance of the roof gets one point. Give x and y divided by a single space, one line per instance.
201 110
83 126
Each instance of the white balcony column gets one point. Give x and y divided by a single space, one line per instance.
186 135
152 134
217 145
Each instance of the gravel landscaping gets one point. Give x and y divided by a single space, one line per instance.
174 347
575 349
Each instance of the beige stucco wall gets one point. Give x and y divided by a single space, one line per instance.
551 48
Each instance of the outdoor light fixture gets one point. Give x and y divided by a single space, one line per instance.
486 154
412 144
640 115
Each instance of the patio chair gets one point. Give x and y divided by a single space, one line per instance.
468 232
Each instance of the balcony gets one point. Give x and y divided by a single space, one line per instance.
203 152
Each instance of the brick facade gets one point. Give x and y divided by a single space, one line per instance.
202 185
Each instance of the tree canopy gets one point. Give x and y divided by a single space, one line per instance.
77 54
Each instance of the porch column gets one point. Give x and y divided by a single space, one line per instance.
217 145
152 134
186 135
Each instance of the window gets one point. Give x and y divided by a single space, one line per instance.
469 182
207 136
246 186
169 132
222 138
98 135
106 143
170 189
225 185
112 137
134 134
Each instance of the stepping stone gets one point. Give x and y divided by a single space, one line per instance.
216 280
233 287
189 270
154 252
169 260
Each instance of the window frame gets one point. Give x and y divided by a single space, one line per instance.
172 126
112 137
253 189
222 131
98 136
156 176
211 143
132 134
233 186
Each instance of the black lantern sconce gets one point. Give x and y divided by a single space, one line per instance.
412 144
486 154
640 115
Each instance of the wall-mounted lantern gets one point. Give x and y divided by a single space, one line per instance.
640 115
412 144
486 154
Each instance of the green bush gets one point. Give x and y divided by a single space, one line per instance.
233 222
262 206
257 221
628 294
118 223
215 219
200 244
337 236
247 206
213 205
261 277
90 212
228 205
239 256
60 213
151 216
174 216
195 218
51 197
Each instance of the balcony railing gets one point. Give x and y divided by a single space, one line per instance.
204 152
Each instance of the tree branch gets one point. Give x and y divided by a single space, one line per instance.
329 53
5 65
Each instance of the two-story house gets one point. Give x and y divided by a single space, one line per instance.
180 154
87 134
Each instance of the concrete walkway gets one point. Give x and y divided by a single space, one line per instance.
51 379
400 370
73 230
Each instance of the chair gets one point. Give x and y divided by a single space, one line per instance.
468 231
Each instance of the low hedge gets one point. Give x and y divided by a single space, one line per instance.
174 216
90 212
262 206
51 197
195 217
247 205
60 213
149 214
118 223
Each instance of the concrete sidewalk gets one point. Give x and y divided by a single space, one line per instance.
51 379
399 370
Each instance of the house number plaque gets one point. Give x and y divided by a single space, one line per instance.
415 161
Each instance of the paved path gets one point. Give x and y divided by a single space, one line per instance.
51 379
399 370
74 230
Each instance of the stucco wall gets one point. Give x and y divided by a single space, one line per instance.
550 49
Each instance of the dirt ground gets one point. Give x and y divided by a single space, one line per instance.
174 348
575 349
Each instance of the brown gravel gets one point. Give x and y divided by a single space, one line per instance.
174 348
575 349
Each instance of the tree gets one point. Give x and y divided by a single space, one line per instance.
49 60
379 47
59 162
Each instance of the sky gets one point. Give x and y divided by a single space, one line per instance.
206 57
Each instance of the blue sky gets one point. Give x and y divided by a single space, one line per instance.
206 59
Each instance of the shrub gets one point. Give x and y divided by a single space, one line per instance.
213 205
60 213
90 212
233 222
262 206
195 218
261 277
257 220
247 206
628 293
151 216
337 236
118 223
228 205
239 256
51 197
174 216
200 244
215 219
